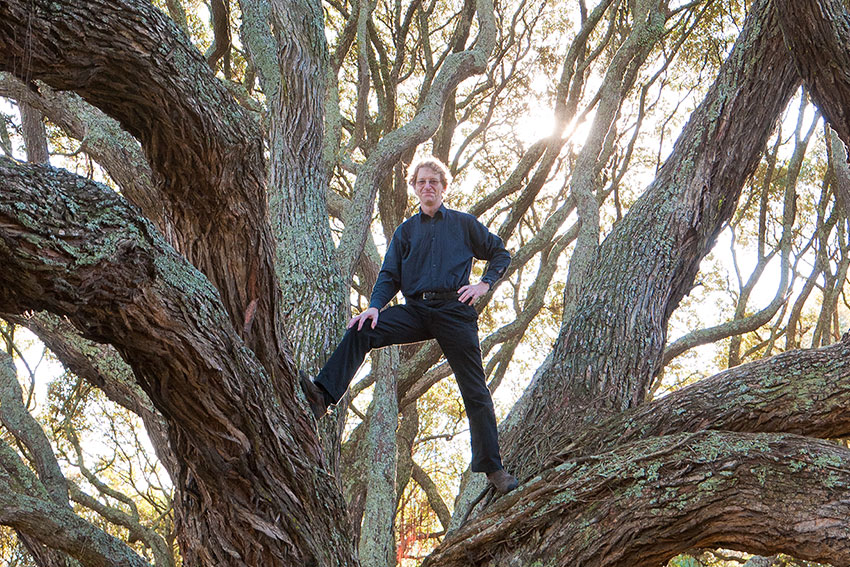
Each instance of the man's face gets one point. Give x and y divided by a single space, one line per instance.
428 187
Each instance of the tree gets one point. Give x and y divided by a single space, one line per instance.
203 289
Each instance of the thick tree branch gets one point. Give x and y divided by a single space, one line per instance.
103 139
58 527
205 151
804 392
315 294
77 249
637 281
138 45
376 536
644 503
817 33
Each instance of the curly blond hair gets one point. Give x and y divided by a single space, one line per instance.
431 163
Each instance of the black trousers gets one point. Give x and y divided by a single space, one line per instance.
455 326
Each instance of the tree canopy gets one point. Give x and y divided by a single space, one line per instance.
193 198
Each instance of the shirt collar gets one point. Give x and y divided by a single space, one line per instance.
441 212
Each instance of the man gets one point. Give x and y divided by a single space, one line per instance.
429 259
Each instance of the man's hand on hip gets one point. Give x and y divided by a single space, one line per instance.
470 293
371 313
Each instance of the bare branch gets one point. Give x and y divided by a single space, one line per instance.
456 67
26 429
801 391
433 494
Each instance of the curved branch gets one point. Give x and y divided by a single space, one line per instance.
220 12
58 526
805 392
643 504
205 151
137 45
432 493
15 417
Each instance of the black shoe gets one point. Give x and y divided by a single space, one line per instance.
502 481
313 393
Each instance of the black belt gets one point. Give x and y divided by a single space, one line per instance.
435 295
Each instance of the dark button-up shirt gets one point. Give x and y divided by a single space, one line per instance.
435 254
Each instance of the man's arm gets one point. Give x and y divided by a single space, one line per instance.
485 246
386 286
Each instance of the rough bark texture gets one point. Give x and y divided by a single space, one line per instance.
377 536
644 503
800 392
205 152
104 140
249 490
315 295
648 482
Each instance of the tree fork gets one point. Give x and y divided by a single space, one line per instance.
607 354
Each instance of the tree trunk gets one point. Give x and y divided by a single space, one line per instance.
377 536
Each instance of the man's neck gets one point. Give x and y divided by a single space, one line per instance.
430 211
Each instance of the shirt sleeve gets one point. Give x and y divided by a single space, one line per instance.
488 246
389 278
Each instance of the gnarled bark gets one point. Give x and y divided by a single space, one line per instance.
246 465
205 152
816 33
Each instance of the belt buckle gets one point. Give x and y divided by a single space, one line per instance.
428 295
